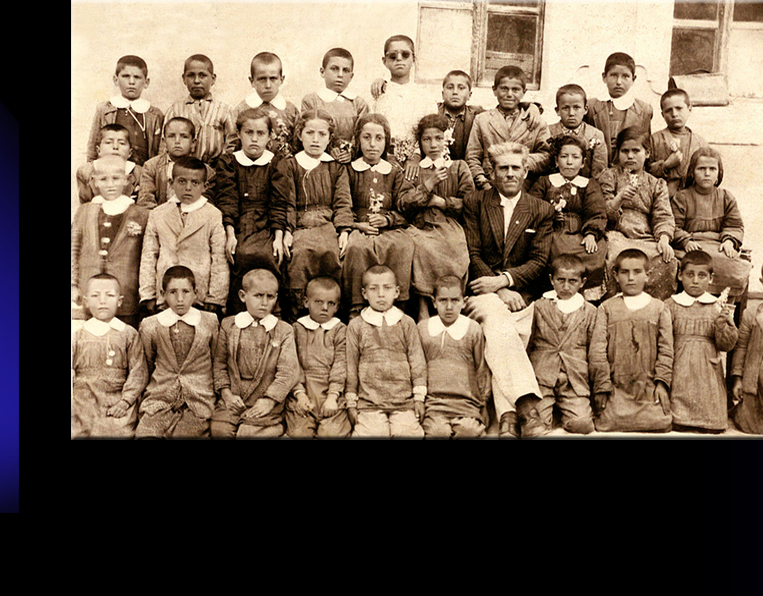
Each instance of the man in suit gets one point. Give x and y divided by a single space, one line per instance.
509 235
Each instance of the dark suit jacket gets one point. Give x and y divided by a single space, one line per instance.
524 251
458 150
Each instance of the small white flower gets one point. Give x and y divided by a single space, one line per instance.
134 228
560 205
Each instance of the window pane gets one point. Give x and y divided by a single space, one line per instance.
511 34
520 3
692 51
748 12
445 42
699 11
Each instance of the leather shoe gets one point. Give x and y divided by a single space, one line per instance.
509 425
531 425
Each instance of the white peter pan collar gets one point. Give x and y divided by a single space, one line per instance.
169 317
139 105
636 302
558 180
437 163
328 95
376 318
188 208
566 306
624 102
100 328
255 101
457 330
685 300
361 165
244 320
115 207
308 323
262 160
310 163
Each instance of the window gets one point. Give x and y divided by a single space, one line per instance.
507 32
748 12
697 31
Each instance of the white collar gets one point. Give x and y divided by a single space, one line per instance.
685 300
169 317
115 207
329 95
374 317
558 180
244 160
308 323
188 208
566 306
244 319
636 302
139 105
255 101
437 163
310 163
361 165
99 328
457 330
506 200
624 102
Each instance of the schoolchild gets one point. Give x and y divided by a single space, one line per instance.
112 139
456 91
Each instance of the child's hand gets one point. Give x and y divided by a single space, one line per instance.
343 240
673 161
260 408
590 243
378 220
664 248
367 228
230 248
378 87
418 409
600 401
303 405
440 175
727 247
288 240
692 245
727 312
438 202
278 249
233 402
342 156
330 406
412 167
661 394
209 307
150 306
482 182
629 193
119 409
76 294
736 389
352 414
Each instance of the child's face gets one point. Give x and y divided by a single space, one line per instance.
372 142
114 142
566 282
696 279
337 74
109 178
618 79
509 92
131 82
569 161
198 79
432 142
103 299
179 295
633 155
381 291
315 137
260 298
632 276
188 184
456 92
267 80
398 59
255 136
449 302
322 304
675 112
179 140
706 173
571 110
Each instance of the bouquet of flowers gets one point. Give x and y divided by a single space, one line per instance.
404 148
282 138
376 201
449 140
723 299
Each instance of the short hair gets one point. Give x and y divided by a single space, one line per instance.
113 127
630 253
104 159
199 58
189 123
571 89
694 160
457 73
323 283
130 60
507 148
265 58
337 53
372 118
696 257
556 143
259 113
511 72
571 262
675 93
253 276
632 133
305 117
178 272
189 162
447 281
620 59
430 121
104 276
377 270
404 38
